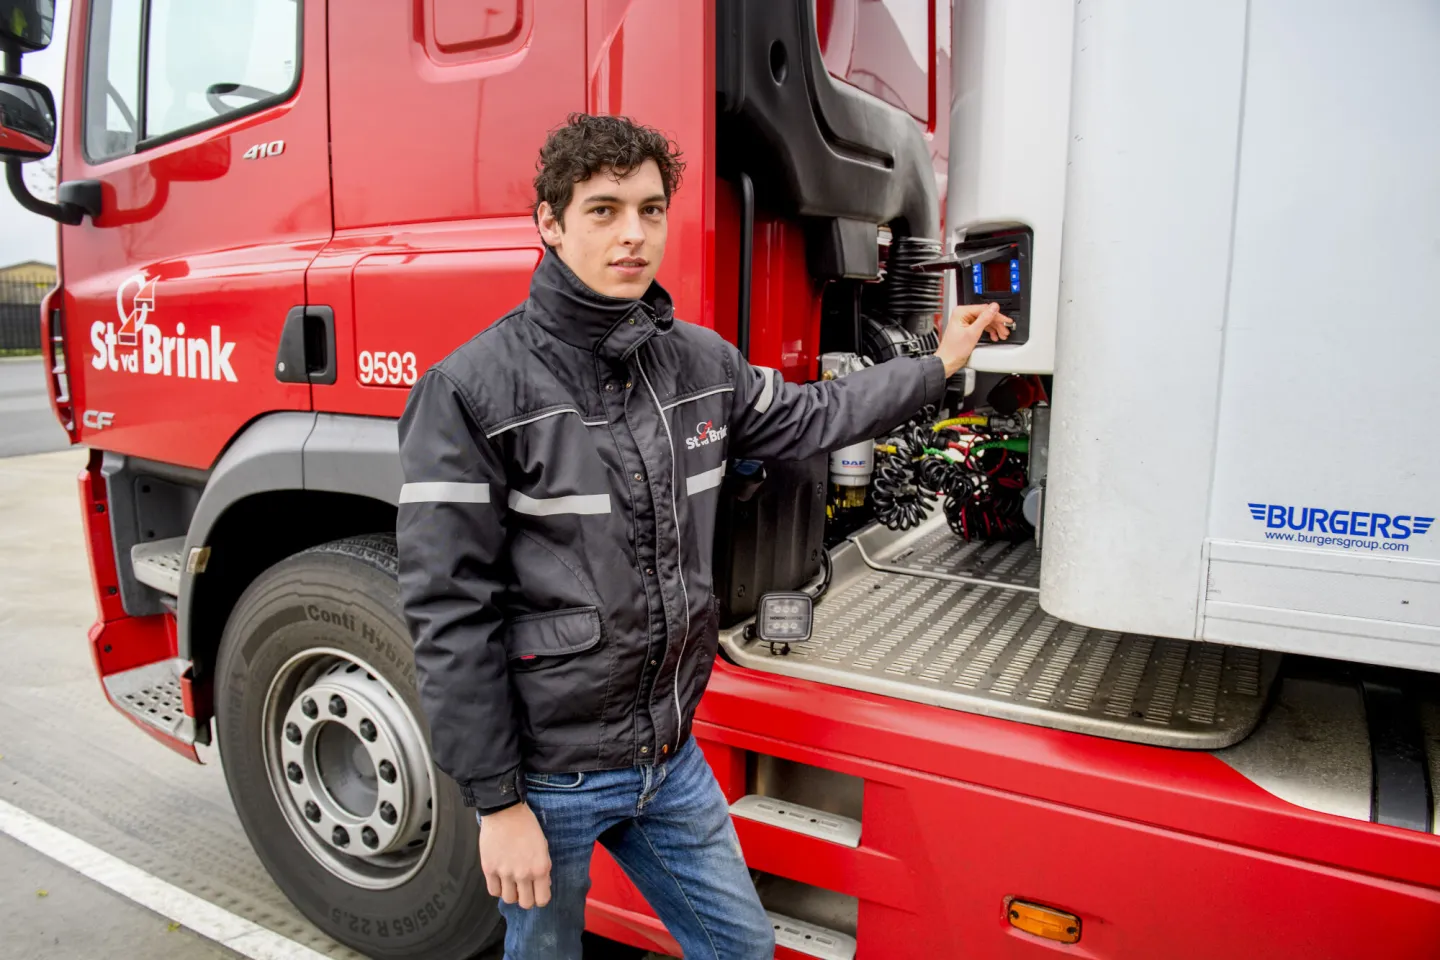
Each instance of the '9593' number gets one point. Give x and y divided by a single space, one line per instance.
387 369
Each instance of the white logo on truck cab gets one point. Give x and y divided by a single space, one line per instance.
139 346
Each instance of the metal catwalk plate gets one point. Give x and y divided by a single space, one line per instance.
931 550
990 649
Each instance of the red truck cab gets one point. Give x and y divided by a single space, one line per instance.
276 214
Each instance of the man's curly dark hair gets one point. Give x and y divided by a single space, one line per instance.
587 144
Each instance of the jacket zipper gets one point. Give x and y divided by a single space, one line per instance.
680 560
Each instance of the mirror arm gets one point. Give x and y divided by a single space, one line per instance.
66 213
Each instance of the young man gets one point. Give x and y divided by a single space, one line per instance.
555 532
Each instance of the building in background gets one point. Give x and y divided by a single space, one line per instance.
29 274
22 286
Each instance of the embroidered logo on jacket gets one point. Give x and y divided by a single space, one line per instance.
706 433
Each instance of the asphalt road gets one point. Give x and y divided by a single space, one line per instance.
27 424
71 760
41 902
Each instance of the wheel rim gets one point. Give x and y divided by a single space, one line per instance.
349 767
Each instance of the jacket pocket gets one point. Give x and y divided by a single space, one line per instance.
560 675
539 640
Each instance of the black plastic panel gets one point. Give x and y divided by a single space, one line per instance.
773 540
815 147
1401 784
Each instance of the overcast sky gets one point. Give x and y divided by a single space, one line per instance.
23 235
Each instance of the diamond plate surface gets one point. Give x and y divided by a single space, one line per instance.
158 564
931 550
990 649
152 694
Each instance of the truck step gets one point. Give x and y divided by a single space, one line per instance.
811 940
926 617
158 564
800 819
151 694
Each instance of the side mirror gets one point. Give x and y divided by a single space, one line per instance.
27 23
27 119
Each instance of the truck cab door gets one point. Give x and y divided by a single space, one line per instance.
205 128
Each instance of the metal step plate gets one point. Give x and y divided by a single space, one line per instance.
793 816
991 650
811 940
932 550
151 694
158 564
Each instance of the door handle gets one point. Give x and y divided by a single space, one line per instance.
307 346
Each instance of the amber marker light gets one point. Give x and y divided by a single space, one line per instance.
1042 921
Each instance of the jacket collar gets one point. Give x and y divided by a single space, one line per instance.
570 311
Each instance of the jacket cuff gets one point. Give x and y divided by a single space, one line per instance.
491 794
933 369
482 812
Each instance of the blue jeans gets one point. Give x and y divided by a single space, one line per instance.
669 827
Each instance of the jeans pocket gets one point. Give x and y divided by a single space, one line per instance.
554 781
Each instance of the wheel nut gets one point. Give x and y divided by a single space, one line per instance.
367 730
387 811
337 705
307 707
292 770
312 811
292 733
387 771
371 838
340 837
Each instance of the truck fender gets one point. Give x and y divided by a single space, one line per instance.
324 452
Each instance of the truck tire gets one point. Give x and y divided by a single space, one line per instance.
326 754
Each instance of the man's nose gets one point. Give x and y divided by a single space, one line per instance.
632 231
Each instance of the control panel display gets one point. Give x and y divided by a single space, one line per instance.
995 268
996 277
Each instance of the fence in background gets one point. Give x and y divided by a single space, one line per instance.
20 315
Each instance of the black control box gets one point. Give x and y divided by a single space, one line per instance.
994 267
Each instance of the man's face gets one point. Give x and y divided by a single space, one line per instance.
614 233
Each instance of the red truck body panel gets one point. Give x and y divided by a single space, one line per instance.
172 252
402 201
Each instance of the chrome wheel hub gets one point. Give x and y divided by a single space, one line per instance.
349 766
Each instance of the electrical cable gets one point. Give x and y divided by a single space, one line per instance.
980 485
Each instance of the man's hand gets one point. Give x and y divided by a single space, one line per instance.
968 323
515 857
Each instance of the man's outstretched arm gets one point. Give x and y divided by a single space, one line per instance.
777 420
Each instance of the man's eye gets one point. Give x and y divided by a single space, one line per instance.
654 211
600 211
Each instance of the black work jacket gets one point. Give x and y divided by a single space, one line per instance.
562 470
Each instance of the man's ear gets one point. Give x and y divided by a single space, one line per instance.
550 229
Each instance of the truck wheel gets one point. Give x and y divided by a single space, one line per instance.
327 759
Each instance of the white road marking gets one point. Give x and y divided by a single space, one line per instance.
234 932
